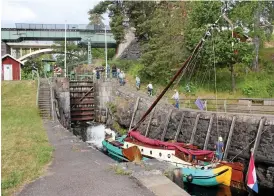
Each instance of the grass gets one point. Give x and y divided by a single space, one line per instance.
119 170
25 147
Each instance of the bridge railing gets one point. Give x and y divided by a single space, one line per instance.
242 105
61 26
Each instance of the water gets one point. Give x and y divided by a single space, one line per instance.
96 134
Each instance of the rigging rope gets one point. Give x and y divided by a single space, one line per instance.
245 147
215 85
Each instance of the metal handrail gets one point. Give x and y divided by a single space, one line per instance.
51 97
38 88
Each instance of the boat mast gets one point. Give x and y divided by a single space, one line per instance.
175 76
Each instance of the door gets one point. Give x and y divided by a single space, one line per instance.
7 72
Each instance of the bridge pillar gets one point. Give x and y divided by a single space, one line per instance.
21 52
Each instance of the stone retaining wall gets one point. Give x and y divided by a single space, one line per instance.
245 130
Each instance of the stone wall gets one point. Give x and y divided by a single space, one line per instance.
245 130
62 100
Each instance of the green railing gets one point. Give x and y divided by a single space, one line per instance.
38 88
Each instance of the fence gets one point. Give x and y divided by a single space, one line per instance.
243 105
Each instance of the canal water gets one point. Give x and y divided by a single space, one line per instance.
96 134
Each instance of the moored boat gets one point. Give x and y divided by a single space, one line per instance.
199 163
115 149
207 177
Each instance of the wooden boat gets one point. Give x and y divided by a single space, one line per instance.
193 162
207 177
115 148
170 152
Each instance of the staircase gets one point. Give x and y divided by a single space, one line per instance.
44 99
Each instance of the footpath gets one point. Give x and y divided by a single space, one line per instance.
77 169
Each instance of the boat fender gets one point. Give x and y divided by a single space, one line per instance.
105 150
189 178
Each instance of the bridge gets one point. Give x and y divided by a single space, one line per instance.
56 32
19 43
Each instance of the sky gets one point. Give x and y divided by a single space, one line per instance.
46 11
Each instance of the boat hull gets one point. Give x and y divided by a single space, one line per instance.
209 177
115 151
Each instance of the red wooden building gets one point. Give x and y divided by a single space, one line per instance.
11 68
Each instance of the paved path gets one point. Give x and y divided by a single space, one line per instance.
79 170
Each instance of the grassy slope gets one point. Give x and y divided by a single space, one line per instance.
25 147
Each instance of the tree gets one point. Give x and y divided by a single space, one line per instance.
256 17
219 50
96 19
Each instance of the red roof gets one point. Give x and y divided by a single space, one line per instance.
8 55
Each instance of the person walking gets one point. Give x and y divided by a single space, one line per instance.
118 73
97 74
121 78
219 149
114 71
34 70
149 89
138 81
176 98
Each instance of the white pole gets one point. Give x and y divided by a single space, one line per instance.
106 53
65 48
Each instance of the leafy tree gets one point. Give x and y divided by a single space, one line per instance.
257 17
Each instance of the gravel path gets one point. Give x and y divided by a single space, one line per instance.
79 170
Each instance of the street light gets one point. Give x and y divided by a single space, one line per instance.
106 53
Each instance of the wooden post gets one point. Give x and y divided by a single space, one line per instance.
258 137
208 131
229 137
134 112
106 114
150 119
257 141
179 127
166 125
194 129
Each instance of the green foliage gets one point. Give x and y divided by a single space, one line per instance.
169 31
37 61
112 107
118 128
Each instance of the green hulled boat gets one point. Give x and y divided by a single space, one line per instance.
115 149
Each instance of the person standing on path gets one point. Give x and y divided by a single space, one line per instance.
118 73
176 98
114 71
34 71
219 149
138 81
121 78
149 89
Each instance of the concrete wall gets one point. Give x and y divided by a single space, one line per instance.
245 130
103 96
62 96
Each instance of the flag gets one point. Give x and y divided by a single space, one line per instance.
251 176
199 104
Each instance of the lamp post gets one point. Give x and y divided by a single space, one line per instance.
106 53
65 49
